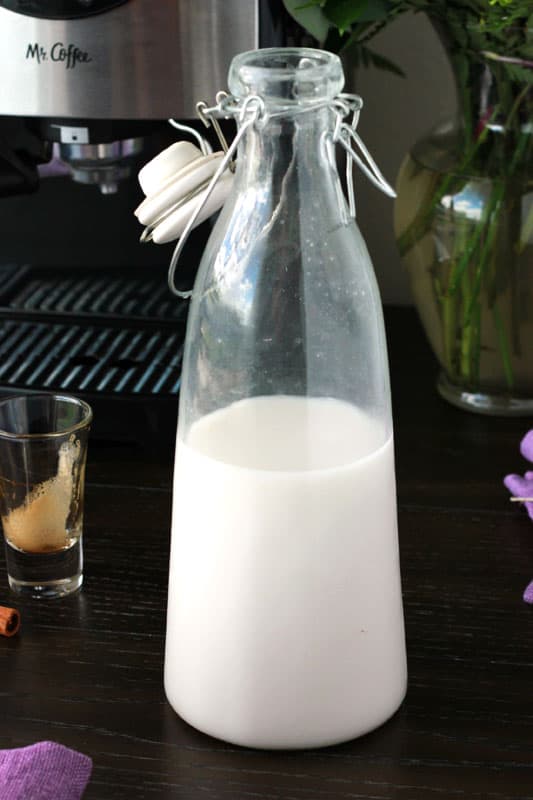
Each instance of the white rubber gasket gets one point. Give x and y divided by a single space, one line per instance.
179 186
173 225
153 176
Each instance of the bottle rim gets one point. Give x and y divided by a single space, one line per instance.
294 75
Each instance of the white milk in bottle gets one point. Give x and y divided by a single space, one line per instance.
285 624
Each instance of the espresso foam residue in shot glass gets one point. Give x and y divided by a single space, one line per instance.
39 525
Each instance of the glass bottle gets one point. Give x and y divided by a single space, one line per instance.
285 622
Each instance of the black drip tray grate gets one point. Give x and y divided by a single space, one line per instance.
99 332
90 358
88 292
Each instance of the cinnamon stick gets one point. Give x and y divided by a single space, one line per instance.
9 621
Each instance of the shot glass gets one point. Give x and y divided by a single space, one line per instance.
43 449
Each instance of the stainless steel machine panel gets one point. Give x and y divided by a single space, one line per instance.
145 59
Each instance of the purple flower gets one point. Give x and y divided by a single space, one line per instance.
522 486
522 489
528 593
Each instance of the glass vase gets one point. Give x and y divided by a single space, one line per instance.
464 228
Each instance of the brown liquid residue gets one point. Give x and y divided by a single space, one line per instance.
39 524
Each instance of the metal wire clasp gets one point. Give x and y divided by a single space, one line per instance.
251 111
345 133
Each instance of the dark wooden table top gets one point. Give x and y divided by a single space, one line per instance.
87 671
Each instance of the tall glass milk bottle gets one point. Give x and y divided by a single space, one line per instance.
285 622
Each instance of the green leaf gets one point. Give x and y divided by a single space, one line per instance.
520 74
310 16
377 11
362 56
334 42
381 62
343 13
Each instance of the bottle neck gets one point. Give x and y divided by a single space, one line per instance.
284 147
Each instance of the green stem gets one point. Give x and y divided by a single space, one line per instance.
488 227
422 223
466 337
449 328
527 232
504 346
473 244
476 343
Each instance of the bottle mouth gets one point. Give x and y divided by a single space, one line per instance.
294 75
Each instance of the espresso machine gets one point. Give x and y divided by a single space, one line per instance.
96 76
87 87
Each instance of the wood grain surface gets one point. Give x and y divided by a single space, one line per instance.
87 671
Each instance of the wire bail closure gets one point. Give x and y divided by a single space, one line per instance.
252 111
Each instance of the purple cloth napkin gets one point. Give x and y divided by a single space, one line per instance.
522 486
43 771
